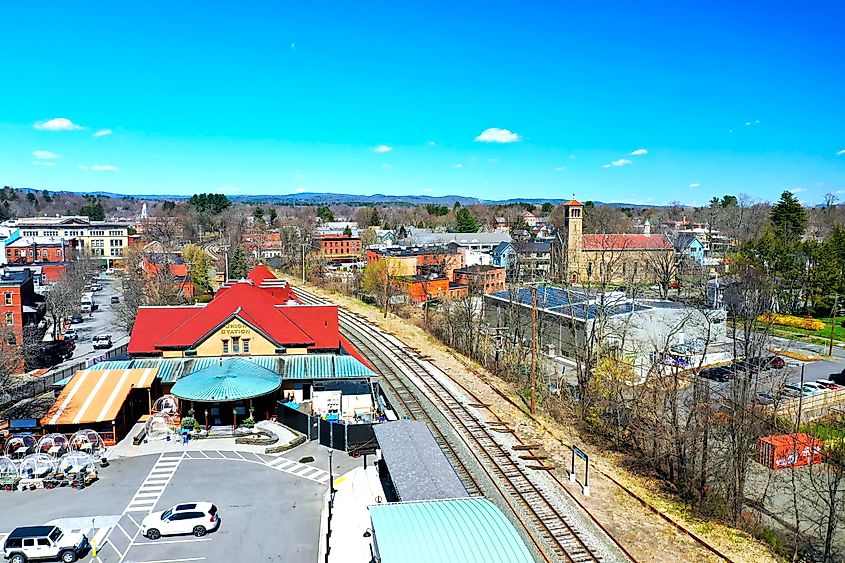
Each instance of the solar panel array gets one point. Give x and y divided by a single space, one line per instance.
571 302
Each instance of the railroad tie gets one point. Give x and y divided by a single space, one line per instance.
525 447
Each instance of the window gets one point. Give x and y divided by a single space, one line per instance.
590 270
246 345
98 233
30 233
29 542
44 541
98 243
116 242
116 233
225 346
8 298
10 319
236 344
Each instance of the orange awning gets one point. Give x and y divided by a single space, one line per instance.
96 395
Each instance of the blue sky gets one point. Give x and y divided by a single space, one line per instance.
281 97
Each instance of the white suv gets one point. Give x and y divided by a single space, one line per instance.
196 518
44 543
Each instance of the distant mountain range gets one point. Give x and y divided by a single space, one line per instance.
317 198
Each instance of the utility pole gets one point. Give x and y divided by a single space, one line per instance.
386 284
533 347
833 324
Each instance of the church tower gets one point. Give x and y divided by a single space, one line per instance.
573 239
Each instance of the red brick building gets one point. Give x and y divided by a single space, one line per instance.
338 246
29 250
19 304
487 279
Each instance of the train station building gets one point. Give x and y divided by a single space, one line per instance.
253 346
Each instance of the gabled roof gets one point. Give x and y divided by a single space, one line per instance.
261 273
242 301
573 203
160 328
626 242
684 240
501 247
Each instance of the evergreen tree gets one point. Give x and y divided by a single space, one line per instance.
789 217
258 215
375 218
273 215
547 208
238 268
47 197
325 213
93 209
347 232
403 234
466 222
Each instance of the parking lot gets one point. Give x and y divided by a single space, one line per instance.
269 506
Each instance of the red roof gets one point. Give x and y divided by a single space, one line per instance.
626 242
573 202
261 273
153 323
158 328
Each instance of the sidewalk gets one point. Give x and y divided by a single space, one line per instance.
354 492
126 448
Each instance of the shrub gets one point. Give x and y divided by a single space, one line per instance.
249 422
188 422
807 323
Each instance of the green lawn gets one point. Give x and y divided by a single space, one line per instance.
824 334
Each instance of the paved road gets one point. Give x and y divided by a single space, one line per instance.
101 321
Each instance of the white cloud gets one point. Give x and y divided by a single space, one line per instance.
386 166
840 153
560 168
102 168
103 133
431 143
572 156
57 124
300 190
496 135
45 155
639 152
797 190
618 163
458 165
40 163
383 148
605 166
747 123
696 185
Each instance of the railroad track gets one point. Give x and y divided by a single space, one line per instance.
556 532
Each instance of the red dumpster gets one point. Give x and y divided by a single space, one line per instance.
789 450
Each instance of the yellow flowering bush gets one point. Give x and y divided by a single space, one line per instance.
807 323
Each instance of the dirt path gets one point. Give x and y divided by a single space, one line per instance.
646 535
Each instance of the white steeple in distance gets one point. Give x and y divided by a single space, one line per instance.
143 214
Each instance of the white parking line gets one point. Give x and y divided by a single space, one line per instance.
159 542
173 560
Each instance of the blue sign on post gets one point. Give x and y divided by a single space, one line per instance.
585 486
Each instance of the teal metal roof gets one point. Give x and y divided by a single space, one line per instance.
295 366
324 366
467 530
229 380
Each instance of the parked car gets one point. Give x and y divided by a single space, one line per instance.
71 334
828 384
96 287
795 391
115 299
838 378
76 319
814 387
716 374
45 543
85 308
196 518
102 341
764 398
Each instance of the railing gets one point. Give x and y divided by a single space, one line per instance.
41 384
